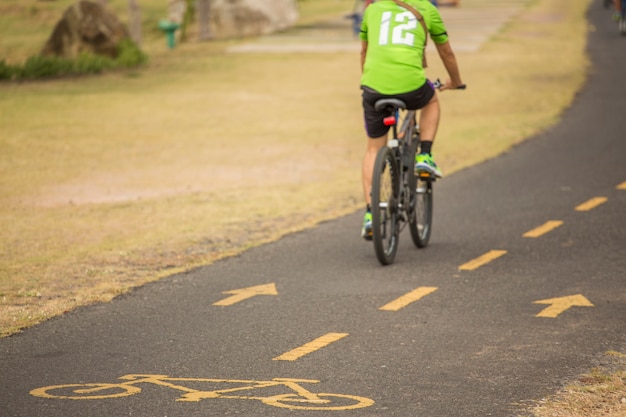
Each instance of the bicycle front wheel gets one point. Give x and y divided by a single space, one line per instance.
384 206
421 220
329 402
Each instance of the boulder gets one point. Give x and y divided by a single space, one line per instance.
86 26
240 18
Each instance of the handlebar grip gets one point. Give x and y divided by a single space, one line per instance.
438 84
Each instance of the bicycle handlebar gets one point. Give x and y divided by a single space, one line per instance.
438 84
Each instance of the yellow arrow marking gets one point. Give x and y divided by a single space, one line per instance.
312 346
622 186
408 298
245 293
543 229
559 305
591 203
482 260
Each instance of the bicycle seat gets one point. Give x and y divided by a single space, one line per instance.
389 103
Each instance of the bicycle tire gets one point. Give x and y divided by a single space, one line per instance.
125 391
421 224
385 206
421 205
293 401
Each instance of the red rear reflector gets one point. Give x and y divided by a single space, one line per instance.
389 121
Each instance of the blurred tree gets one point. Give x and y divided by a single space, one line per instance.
190 13
203 19
134 21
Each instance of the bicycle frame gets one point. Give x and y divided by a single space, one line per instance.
401 144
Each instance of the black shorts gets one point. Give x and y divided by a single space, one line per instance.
415 100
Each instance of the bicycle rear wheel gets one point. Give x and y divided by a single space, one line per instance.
384 206
86 391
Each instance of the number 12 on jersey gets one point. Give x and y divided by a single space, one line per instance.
399 29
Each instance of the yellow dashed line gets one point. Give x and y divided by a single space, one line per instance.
543 229
310 347
408 298
622 186
591 204
482 260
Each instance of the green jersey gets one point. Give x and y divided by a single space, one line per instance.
395 45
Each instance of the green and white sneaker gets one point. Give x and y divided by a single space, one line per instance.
366 230
424 163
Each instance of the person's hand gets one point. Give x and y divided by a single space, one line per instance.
449 85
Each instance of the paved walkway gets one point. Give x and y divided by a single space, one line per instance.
469 26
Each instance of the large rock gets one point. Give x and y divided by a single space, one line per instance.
240 18
85 27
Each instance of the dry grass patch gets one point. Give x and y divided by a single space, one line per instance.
601 393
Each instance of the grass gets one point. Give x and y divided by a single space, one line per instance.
602 392
113 181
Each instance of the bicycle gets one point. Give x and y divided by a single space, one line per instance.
302 399
400 197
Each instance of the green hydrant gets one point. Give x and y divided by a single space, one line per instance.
170 29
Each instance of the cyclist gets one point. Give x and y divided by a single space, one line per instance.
392 62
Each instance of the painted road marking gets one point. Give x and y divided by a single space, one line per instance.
591 204
310 347
622 186
408 298
543 229
559 305
482 260
245 293
297 397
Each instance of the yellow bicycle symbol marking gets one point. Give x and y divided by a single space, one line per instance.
299 399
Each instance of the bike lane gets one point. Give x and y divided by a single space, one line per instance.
463 341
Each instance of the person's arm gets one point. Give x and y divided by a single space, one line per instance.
363 53
449 62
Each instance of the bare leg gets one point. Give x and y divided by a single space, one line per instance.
373 146
429 120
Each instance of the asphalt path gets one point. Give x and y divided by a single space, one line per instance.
426 336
